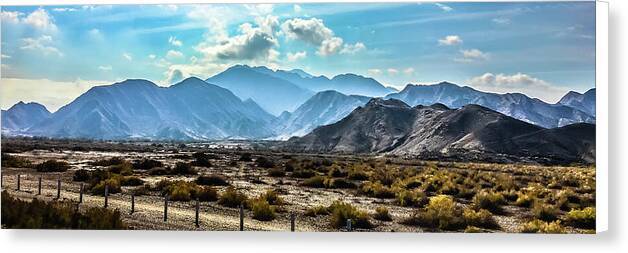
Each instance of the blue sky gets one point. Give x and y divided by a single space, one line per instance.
52 54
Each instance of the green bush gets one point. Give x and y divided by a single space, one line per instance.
182 168
303 173
213 180
584 218
317 210
15 161
38 214
481 218
491 201
411 198
341 212
231 197
315 182
377 190
81 175
539 226
52 166
339 183
441 212
276 172
124 168
146 164
179 190
381 213
525 200
262 210
113 183
545 212
131 181
336 171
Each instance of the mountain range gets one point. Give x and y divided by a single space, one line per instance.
235 104
394 127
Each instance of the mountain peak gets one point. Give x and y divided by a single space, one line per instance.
380 102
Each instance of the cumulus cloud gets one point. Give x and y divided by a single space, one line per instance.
314 32
174 54
174 76
259 9
152 56
444 7
252 43
105 68
518 82
501 21
41 44
450 40
297 8
375 71
174 41
352 49
472 55
10 16
127 56
41 19
292 57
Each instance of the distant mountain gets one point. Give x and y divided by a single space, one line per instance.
190 109
22 115
350 84
324 108
393 127
584 102
273 94
516 105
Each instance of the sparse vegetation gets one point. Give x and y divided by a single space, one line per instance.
81 175
213 180
539 226
381 213
52 166
341 212
11 161
584 218
262 210
231 197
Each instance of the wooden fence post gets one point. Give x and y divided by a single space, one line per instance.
241 217
39 186
59 188
349 225
292 221
132 202
18 182
81 189
106 195
197 210
166 208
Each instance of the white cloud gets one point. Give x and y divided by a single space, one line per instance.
352 49
41 44
105 68
450 40
297 8
10 16
64 9
4 56
174 54
174 76
314 32
501 21
392 71
472 55
252 43
152 56
173 41
259 9
408 71
292 57
519 82
41 19
375 71
127 56
444 7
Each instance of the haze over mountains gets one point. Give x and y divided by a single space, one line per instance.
259 103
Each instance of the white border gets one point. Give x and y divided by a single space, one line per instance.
601 115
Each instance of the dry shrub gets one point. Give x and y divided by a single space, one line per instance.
539 226
231 197
381 213
581 218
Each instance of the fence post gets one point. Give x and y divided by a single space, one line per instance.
81 193
106 195
39 186
349 225
166 208
197 210
241 217
59 188
18 182
132 202
292 221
